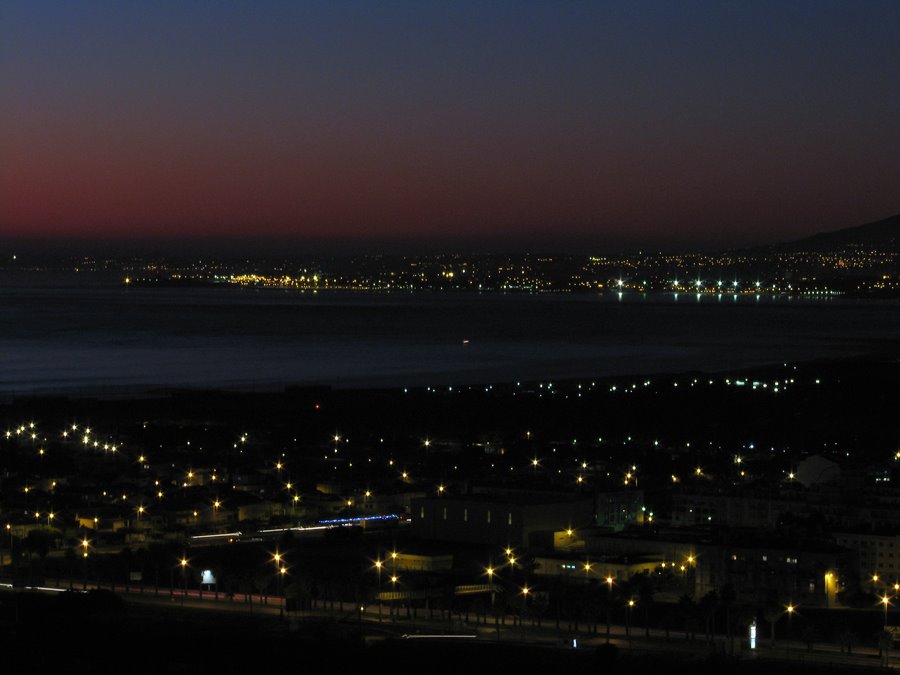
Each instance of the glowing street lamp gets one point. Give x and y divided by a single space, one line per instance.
281 572
183 563
790 609
609 585
378 566
84 556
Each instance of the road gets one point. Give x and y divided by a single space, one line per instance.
379 621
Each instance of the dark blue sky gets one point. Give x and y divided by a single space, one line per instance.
467 122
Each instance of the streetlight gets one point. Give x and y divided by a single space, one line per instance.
609 585
281 570
378 566
525 592
790 609
885 601
394 579
628 618
12 558
84 556
489 570
184 563
281 573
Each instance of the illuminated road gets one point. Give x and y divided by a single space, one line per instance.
380 622
366 523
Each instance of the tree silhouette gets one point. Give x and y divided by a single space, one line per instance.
688 610
707 607
727 598
771 614
261 580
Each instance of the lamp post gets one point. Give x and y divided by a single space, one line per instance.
628 618
394 580
885 601
12 557
84 557
525 592
587 572
280 570
281 573
490 574
790 609
378 566
183 563
609 585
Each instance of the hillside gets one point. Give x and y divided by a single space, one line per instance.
883 235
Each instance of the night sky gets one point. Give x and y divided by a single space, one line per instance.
466 123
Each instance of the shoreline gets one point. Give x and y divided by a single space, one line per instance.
147 392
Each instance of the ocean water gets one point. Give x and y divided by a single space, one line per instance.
93 337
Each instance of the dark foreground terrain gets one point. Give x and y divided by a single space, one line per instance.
99 633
